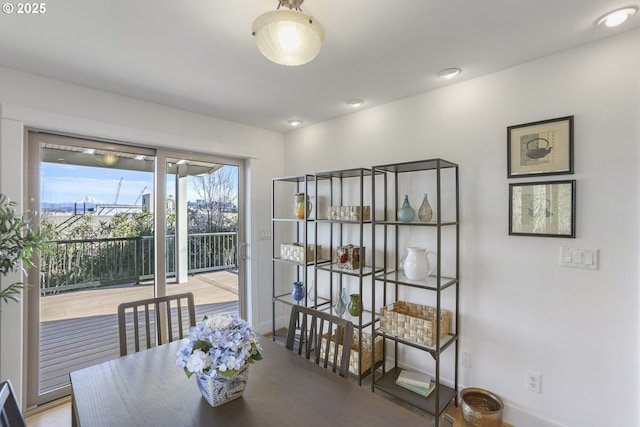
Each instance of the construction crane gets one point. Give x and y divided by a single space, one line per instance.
115 202
139 196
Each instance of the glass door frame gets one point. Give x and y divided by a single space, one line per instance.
33 180
162 157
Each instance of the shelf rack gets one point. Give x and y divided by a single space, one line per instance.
440 175
351 187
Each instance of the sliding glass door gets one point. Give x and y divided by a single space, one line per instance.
124 223
202 224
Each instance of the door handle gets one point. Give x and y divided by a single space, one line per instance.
243 250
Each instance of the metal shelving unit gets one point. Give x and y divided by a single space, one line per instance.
350 187
286 228
441 176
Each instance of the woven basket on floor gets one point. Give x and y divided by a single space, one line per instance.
355 355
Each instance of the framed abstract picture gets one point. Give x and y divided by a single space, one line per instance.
540 148
543 209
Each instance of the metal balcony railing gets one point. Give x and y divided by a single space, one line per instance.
79 264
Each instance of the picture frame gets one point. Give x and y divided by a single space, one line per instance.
540 148
543 209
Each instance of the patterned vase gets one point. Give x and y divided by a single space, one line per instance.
217 389
299 206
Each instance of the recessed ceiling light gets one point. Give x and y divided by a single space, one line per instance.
449 73
294 122
355 102
617 17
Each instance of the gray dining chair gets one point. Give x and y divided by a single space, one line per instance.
307 329
149 322
10 414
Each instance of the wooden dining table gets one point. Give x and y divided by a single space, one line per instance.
284 389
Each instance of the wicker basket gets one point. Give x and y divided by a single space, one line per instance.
414 322
353 359
295 252
349 213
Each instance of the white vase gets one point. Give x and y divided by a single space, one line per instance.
217 389
416 266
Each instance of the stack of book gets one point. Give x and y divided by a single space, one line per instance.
416 382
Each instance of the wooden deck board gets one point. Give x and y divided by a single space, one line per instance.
90 318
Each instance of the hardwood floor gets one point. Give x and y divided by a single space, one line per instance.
58 414
55 414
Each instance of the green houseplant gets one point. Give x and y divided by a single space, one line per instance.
18 242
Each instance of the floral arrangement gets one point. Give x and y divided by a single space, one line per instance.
223 344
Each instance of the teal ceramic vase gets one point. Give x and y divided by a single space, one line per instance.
406 213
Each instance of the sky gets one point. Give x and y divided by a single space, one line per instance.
69 183
64 183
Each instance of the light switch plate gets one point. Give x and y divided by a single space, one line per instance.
579 258
265 234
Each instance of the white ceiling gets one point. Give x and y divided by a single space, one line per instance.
199 55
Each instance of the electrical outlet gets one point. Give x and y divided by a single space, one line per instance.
533 382
466 359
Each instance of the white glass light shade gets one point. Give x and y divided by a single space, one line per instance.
287 37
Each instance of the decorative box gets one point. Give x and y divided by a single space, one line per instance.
414 322
349 257
355 355
295 252
349 213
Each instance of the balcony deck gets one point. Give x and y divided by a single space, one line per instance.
80 329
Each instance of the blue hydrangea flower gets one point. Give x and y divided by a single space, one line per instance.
222 344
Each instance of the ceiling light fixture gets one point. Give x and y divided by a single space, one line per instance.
617 17
449 73
288 37
294 122
355 103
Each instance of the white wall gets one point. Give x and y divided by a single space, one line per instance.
31 101
519 310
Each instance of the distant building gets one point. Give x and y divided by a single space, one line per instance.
147 202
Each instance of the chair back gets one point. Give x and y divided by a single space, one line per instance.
308 328
149 322
10 414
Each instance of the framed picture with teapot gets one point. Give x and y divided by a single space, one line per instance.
540 148
543 209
